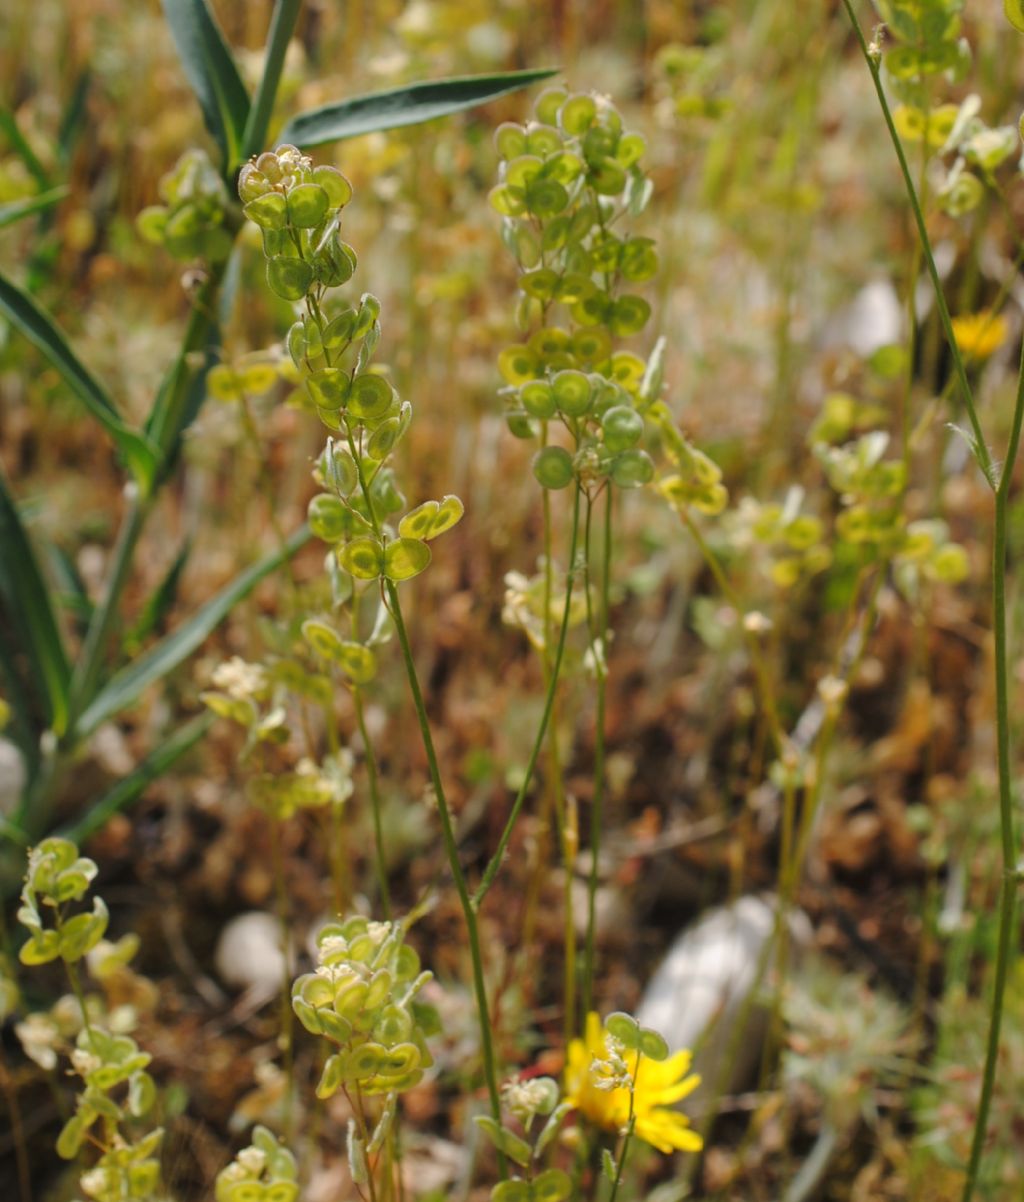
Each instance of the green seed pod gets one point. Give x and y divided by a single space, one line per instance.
523 170
339 330
307 206
152 224
652 1045
366 318
405 558
632 469
555 233
290 278
572 392
607 178
335 262
592 309
543 140
538 399
520 426
639 260
592 345
565 167
518 364
629 315
393 1025
624 1028
574 287
549 341
546 197
510 140
269 166
270 211
630 150
370 396
401 1059
337 187
364 1061
507 200
622 428
548 104
540 283
383 439
362 558
553 468
327 517
577 115
553 1185
252 183
329 387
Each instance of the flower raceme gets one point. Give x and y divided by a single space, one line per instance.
610 1083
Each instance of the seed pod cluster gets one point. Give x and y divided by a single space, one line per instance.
362 997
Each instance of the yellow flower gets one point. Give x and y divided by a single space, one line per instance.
658 1085
979 335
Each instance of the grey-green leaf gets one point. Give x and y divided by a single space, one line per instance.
408 105
40 329
126 685
213 73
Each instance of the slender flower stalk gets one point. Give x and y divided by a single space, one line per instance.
999 480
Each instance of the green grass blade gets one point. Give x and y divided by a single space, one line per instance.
15 210
39 328
158 604
34 649
9 128
126 685
282 24
131 787
213 74
184 386
409 105
74 118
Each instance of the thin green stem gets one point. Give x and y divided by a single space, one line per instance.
287 1019
627 1139
469 909
1010 877
567 840
493 866
981 451
373 779
76 988
599 650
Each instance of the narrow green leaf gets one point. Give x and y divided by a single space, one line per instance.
126 685
73 119
20 145
282 24
158 604
409 105
131 787
183 389
28 626
39 328
211 70
15 210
